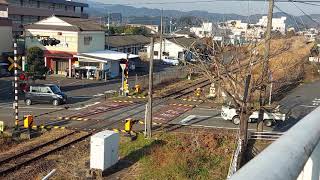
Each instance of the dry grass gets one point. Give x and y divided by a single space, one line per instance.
195 155
185 156
287 59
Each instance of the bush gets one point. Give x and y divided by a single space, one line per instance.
35 61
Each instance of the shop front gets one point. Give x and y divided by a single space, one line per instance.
60 63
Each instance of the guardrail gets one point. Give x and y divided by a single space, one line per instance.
286 158
266 136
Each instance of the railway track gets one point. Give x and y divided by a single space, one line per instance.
132 110
11 162
14 161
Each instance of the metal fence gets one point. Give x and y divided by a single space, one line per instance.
162 77
286 157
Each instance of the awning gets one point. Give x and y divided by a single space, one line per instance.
103 56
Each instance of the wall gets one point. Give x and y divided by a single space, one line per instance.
68 40
96 44
6 39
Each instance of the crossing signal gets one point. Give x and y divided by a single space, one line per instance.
50 42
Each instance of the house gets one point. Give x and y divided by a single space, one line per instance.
173 47
82 44
206 30
126 43
154 29
278 24
22 12
183 33
5 36
76 35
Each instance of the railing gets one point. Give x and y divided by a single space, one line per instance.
295 155
266 136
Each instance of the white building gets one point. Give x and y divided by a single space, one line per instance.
82 44
206 30
174 48
278 24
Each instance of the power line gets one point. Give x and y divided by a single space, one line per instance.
311 2
304 13
308 3
291 16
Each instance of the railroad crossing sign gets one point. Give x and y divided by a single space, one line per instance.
12 63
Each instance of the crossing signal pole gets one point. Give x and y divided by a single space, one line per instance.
16 133
149 107
46 41
126 76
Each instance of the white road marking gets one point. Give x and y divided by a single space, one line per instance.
80 97
30 107
86 106
217 127
308 106
208 109
98 95
193 117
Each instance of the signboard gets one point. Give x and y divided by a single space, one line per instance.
12 63
123 66
314 59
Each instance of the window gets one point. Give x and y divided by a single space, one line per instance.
15 2
60 6
165 53
87 40
29 19
155 53
17 19
35 89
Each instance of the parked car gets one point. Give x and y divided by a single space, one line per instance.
169 61
4 70
47 93
269 118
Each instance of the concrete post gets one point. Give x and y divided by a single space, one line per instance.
45 62
70 67
23 63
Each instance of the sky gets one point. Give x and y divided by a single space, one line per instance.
242 8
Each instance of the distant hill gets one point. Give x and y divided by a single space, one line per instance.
151 16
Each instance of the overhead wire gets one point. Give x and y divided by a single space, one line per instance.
307 15
205 1
291 16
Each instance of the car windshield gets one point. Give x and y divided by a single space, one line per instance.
55 89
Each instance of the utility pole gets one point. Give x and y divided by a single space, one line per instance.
265 67
170 29
149 109
108 20
244 121
161 33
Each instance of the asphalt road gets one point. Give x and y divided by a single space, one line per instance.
85 94
80 93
